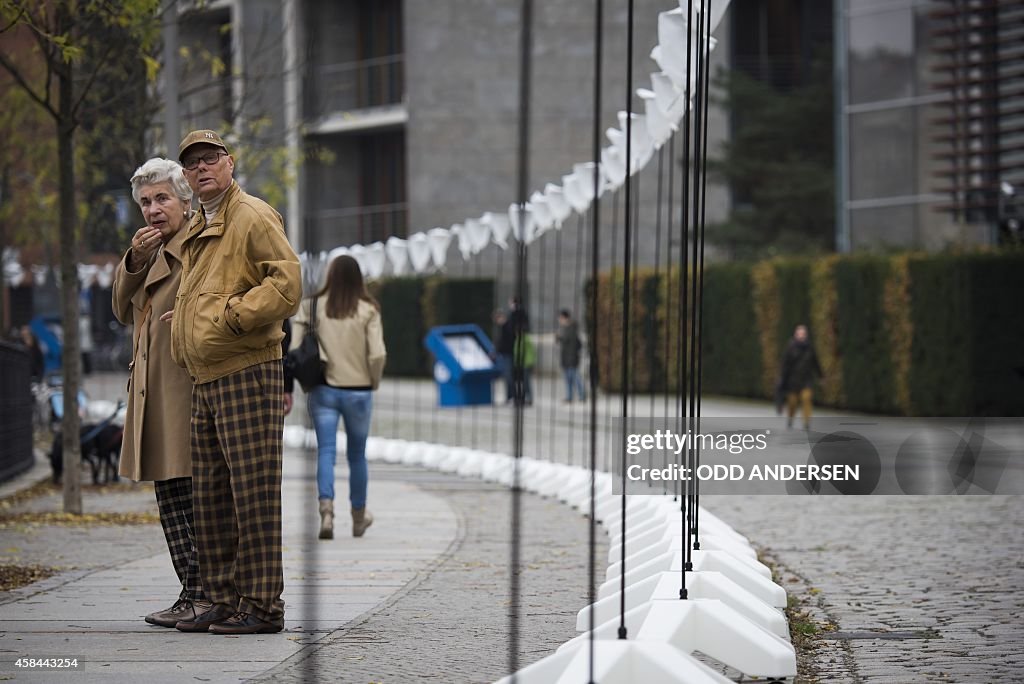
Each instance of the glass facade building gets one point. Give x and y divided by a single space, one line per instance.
901 134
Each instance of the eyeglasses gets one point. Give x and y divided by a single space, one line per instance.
210 158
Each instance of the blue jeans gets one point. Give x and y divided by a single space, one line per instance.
326 406
573 379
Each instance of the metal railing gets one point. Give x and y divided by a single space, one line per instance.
332 228
362 84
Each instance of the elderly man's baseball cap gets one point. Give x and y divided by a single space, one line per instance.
197 137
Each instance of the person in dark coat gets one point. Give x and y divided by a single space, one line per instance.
569 347
800 369
509 326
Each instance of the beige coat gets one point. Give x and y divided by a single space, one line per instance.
352 347
156 430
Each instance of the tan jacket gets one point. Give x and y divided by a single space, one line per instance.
156 429
240 278
353 347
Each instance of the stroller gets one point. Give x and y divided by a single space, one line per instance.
100 446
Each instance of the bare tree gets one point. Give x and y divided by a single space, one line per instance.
72 45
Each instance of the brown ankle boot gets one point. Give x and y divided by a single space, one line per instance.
361 519
326 519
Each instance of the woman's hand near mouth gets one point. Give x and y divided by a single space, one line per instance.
145 242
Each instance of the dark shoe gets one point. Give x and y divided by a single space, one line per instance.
201 623
183 609
243 623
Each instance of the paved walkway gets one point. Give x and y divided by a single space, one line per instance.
906 589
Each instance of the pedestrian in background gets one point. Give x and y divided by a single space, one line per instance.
512 326
351 342
240 279
37 363
800 369
156 442
569 346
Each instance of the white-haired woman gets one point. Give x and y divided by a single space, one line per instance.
156 435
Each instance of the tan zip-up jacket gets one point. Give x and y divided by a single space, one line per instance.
240 278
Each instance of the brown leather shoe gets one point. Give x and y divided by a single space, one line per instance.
201 623
183 609
244 623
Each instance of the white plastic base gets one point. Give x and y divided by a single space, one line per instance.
717 561
707 584
705 625
618 662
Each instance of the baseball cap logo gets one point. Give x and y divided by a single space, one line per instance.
211 136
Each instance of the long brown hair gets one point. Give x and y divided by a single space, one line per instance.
345 287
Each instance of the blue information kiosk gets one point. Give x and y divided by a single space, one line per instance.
464 367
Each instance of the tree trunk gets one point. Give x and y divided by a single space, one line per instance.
69 295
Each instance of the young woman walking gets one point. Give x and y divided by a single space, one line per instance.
351 343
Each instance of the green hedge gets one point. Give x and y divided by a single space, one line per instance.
930 335
731 350
863 337
412 306
402 318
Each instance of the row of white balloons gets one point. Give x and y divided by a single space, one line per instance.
665 103
14 274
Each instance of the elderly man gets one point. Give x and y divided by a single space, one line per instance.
240 279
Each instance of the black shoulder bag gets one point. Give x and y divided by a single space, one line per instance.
304 361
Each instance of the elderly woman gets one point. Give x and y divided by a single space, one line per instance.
156 435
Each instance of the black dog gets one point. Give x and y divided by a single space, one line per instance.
101 449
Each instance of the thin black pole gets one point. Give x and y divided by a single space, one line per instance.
555 362
523 172
652 383
684 277
504 386
626 296
701 229
595 215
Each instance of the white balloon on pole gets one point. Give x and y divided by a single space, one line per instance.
418 247
398 254
439 240
13 273
335 253
557 203
718 8
105 276
641 147
465 246
658 126
584 172
500 227
542 219
479 234
614 167
574 194
670 99
375 258
524 230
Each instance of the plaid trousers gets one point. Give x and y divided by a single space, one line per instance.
237 423
174 501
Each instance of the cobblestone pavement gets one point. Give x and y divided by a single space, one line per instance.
907 589
453 625
917 588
